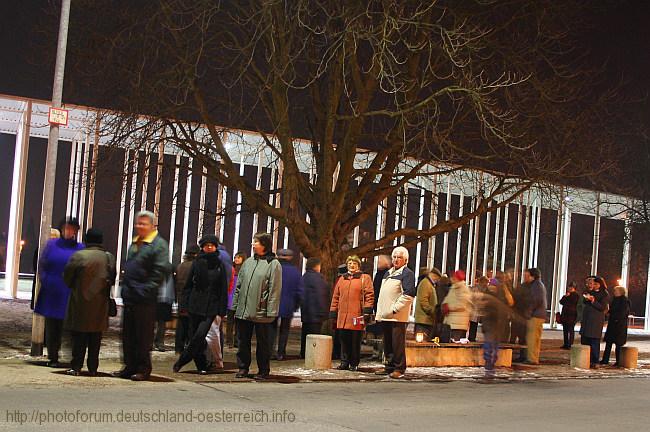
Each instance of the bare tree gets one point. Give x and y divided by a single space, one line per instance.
370 97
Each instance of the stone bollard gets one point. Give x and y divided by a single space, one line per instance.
629 357
580 356
318 351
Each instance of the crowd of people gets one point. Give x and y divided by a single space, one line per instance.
223 301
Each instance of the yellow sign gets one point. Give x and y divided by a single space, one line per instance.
58 116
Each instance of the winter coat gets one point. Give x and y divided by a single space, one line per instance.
182 273
426 301
376 284
521 295
616 331
476 291
90 274
226 259
206 288
537 299
258 289
315 297
146 268
459 297
52 300
396 295
569 314
290 298
494 311
593 314
353 297
232 285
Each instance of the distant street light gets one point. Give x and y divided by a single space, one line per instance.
38 321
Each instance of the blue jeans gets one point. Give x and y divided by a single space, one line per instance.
490 353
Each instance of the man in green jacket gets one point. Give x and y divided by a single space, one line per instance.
147 266
256 302
425 303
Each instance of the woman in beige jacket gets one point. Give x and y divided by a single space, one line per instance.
457 306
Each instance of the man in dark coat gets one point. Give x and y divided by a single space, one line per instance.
537 311
616 332
595 302
289 302
383 265
204 297
90 274
314 307
182 273
147 266
569 314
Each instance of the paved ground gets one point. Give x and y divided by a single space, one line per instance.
544 397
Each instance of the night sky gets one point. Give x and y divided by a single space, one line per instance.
619 39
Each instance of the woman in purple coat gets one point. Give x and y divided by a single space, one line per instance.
52 300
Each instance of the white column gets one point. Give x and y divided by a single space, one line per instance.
557 256
17 207
477 233
258 186
188 201
418 249
486 246
646 321
504 242
276 202
531 234
120 228
470 245
145 181
625 264
199 233
538 231
596 238
134 188
93 176
445 241
84 178
71 179
459 232
172 226
433 220
238 208
516 275
159 172
525 242
495 252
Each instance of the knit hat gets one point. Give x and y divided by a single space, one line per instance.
94 236
192 250
209 238
69 220
285 254
459 275
436 271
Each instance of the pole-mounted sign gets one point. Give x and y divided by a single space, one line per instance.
57 116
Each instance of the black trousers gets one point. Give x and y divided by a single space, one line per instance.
159 339
285 327
182 336
594 344
82 341
395 345
53 336
608 352
307 329
137 336
262 331
195 350
473 328
230 330
350 346
568 330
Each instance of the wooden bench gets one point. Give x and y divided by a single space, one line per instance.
420 354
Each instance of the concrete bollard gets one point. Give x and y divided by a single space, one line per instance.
580 356
318 352
629 357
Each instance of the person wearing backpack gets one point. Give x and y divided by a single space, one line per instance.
425 303
205 297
